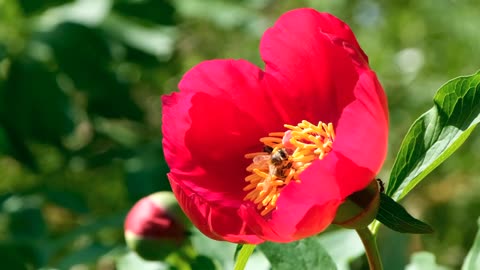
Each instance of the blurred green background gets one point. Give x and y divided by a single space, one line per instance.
80 113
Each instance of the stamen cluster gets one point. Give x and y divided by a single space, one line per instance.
286 155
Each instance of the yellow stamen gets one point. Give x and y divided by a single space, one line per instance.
271 141
271 172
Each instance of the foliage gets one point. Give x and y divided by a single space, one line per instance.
437 134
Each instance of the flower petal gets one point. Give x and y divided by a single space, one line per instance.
219 116
302 51
362 131
334 84
217 220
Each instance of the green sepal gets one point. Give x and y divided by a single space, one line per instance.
395 217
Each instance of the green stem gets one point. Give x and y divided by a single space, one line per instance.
243 256
374 226
371 249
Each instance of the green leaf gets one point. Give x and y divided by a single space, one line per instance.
4 142
154 11
84 54
146 172
33 104
203 262
472 261
395 217
71 200
17 255
305 254
26 220
89 254
436 134
30 7
424 261
33 107
53 247
155 41
241 258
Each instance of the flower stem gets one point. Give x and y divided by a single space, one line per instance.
371 249
243 256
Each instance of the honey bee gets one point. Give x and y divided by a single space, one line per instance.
279 157
276 162
267 149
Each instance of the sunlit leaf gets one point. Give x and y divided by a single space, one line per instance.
472 261
227 14
305 254
156 41
436 134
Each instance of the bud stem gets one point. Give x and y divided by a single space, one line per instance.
371 250
243 256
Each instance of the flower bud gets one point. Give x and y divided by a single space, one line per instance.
360 208
155 226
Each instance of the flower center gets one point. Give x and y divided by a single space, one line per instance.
285 156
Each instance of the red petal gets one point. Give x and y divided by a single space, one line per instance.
217 219
302 51
362 131
219 116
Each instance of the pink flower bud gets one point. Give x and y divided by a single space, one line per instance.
155 226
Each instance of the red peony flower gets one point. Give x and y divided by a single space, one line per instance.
270 154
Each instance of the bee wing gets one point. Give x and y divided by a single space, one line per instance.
261 160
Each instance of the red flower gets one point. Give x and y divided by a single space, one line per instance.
315 72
